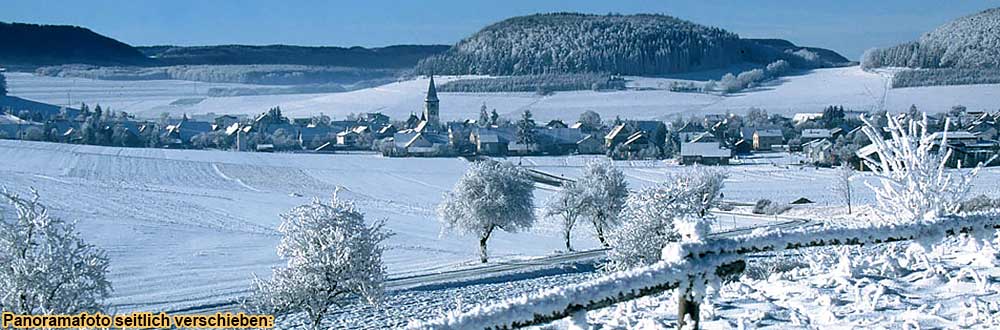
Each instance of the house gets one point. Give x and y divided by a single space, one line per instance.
689 131
426 145
742 147
225 121
590 145
765 139
13 127
799 118
819 151
559 140
374 118
556 123
181 133
704 137
707 153
488 142
311 136
655 131
811 134
353 136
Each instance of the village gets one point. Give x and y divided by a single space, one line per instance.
825 138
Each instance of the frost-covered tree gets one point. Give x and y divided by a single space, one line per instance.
526 128
674 210
491 195
591 120
45 267
604 191
332 256
484 116
842 187
567 207
911 167
3 84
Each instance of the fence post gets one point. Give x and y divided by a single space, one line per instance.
686 306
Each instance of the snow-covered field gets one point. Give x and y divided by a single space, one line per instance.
189 227
810 92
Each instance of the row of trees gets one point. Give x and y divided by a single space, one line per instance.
542 83
749 79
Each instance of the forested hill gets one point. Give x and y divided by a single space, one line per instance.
33 45
644 44
970 42
400 56
28 46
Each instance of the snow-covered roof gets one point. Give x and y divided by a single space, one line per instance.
955 135
704 149
769 133
816 133
804 117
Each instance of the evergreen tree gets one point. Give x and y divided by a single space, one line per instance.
484 117
526 129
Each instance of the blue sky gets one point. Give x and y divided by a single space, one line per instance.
847 26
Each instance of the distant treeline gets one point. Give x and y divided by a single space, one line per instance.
940 77
245 74
542 83
399 57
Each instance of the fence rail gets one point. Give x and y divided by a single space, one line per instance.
693 262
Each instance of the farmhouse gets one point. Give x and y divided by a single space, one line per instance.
707 153
765 139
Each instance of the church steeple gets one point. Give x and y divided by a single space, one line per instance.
432 94
431 104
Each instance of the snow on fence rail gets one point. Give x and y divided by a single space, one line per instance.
691 261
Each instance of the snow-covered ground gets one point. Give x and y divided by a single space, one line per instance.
873 287
809 92
186 228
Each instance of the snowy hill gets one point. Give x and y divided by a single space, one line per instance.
642 44
648 99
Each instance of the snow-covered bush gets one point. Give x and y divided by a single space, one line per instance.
911 167
566 206
491 195
45 268
332 257
979 203
769 207
604 191
674 210
842 186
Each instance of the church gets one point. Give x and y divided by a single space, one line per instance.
427 136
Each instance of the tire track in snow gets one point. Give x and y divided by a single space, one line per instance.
215 166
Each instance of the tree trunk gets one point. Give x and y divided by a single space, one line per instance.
566 237
482 243
600 234
686 307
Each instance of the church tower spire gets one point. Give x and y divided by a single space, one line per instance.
431 104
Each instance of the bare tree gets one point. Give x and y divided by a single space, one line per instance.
842 186
604 192
491 195
567 205
332 256
45 267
